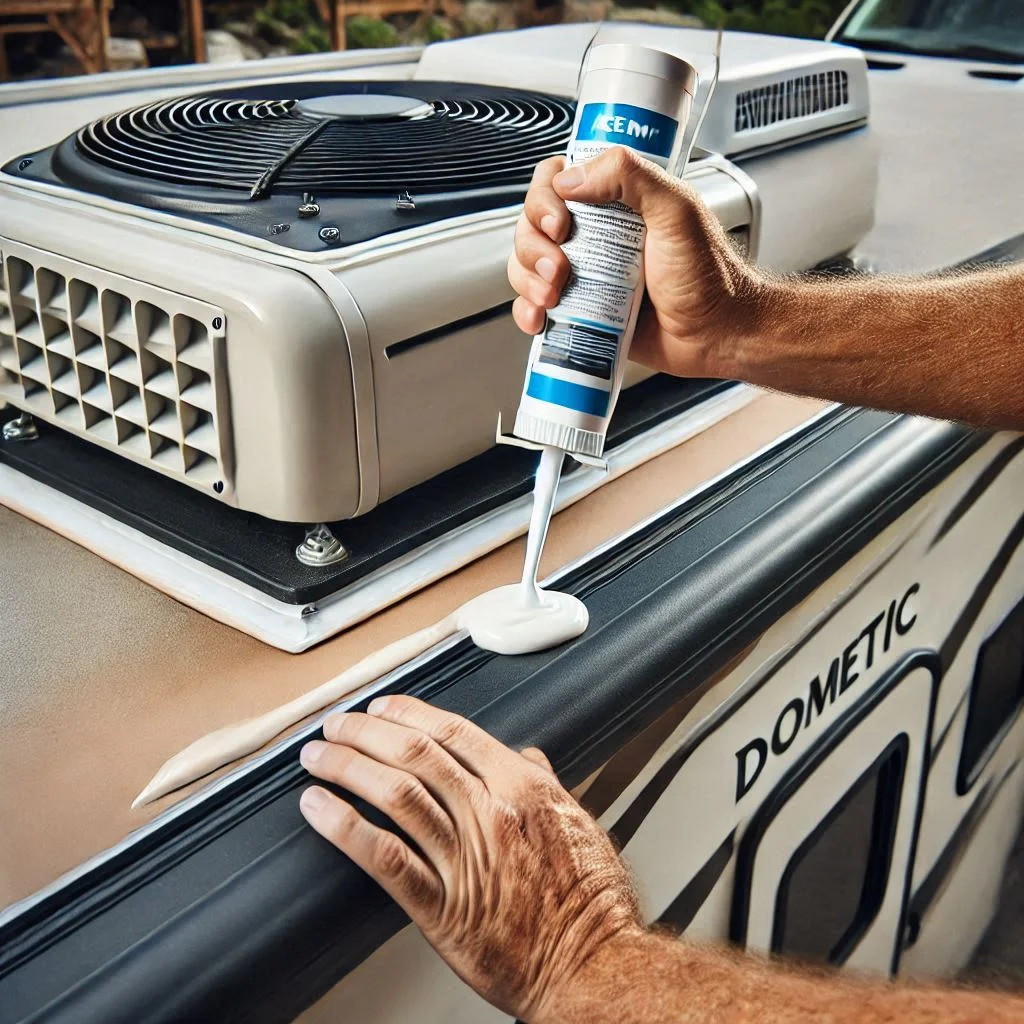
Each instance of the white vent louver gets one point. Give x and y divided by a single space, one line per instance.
796 97
123 364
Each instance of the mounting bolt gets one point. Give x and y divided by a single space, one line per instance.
320 547
405 201
218 486
331 235
21 429
279 229
22 164
309 206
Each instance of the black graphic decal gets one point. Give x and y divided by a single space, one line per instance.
938 877
682 910
632 818
983 481
958 634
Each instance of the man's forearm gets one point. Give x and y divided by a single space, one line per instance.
651 978
950 347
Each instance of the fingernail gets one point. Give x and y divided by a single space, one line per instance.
547 269
311 753
571 177
332 725
312 799
377 706
549 225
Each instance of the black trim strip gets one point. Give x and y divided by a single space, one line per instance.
981 484
445 330
682 910
230 807
237 911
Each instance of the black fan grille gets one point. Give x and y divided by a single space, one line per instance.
469 141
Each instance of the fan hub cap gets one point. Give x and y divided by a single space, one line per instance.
366 107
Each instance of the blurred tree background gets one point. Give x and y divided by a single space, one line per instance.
155 32
810 18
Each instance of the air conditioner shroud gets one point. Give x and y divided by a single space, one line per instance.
347 376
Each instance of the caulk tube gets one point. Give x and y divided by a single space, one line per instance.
629 96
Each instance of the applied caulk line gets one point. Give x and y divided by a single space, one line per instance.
516 619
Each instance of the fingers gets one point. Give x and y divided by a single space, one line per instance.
408 751
538 270
483 755
382 855
544 209
399 794
540 255
531 286
620 175
537 756
529 318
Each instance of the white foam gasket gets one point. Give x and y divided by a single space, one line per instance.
295 628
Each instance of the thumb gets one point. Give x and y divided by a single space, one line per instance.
620 175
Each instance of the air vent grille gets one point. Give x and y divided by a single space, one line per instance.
440 139
120 363
802 96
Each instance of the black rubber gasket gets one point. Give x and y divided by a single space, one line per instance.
261 552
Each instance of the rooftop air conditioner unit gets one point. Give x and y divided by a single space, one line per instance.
291 298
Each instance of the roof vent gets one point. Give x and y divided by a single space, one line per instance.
792 98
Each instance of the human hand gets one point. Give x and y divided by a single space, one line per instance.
701 296
510 880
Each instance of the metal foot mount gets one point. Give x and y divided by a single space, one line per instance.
320 547
21 429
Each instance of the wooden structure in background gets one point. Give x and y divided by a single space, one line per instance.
334 12
83 25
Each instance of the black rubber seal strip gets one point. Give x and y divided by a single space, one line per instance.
237 911
261 552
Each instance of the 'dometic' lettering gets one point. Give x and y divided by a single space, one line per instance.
816 696
843 671
744 777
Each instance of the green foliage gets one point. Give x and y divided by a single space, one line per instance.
313 40
810 18
363 33
439 29
294 13
292 23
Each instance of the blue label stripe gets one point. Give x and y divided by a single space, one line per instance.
622 124
592 401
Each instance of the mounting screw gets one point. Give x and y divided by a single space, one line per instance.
309 207
310 609
21 429
330 235
320 547
405 201
22 164
279 229
218 323
218 486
